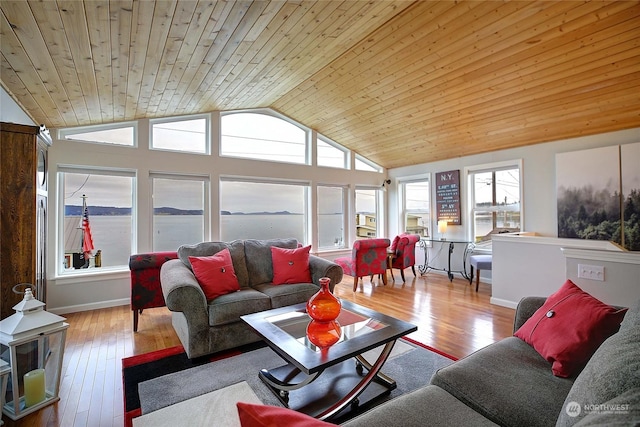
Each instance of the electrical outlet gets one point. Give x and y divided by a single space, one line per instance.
591 272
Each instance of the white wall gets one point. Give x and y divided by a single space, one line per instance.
538 266
621 279
11 112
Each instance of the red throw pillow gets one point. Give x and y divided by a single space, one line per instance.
215 274
252 415
569 328
290 265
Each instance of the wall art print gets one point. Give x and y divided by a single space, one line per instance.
598 194
448 197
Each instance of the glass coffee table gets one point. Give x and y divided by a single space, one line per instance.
327 382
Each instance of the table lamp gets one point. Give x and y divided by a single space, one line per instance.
442 228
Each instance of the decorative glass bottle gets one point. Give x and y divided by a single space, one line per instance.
323 306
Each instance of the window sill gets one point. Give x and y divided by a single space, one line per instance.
91 275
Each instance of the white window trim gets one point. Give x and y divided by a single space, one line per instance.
379 203
206 117
345 218
59 237
346 151
404 210
206 179
307 221
64 132
272 113
469 171
375 166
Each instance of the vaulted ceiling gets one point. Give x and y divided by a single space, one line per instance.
400 82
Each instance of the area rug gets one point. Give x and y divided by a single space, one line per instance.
217 408
159 379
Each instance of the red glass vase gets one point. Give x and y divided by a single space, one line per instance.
323 306
324 334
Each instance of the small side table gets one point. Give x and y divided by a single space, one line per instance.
5 369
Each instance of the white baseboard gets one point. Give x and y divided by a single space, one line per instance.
503 302
92 306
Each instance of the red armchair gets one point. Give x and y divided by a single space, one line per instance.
403 254
368 257
145 281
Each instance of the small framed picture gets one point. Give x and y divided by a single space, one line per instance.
67 260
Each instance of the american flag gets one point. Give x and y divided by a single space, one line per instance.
87 240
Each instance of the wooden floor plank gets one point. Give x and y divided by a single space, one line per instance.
450 316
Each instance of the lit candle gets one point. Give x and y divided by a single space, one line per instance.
34 391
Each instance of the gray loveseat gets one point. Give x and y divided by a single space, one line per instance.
207 327
508 383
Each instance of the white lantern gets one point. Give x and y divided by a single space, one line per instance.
32 342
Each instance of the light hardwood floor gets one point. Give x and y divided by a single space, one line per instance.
451 317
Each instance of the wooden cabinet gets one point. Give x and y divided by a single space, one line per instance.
23 211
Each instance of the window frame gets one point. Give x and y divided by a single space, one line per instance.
206 209
374 166
207 142
378 210
346 152
345 217
64 132
306 186
471 171
271 113
406 211
60 233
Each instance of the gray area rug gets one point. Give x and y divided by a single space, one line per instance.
410 365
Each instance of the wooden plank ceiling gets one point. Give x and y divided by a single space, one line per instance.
399 82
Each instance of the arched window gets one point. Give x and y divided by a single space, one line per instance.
263 136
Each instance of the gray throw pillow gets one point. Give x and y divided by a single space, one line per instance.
258 258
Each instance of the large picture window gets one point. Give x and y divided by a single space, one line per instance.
263 137
108 198
263 210
178 211
331 217
496 199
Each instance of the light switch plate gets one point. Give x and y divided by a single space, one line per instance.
591 272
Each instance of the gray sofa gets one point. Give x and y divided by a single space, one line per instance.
207 327
509 384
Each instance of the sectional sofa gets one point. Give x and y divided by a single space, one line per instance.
509 383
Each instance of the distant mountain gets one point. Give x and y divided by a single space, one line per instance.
73 210
259 213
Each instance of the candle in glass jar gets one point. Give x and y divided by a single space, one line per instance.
34 390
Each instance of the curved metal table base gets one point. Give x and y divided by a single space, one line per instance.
424 268
281 388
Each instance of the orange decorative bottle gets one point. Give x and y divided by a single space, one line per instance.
323 306
324 334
